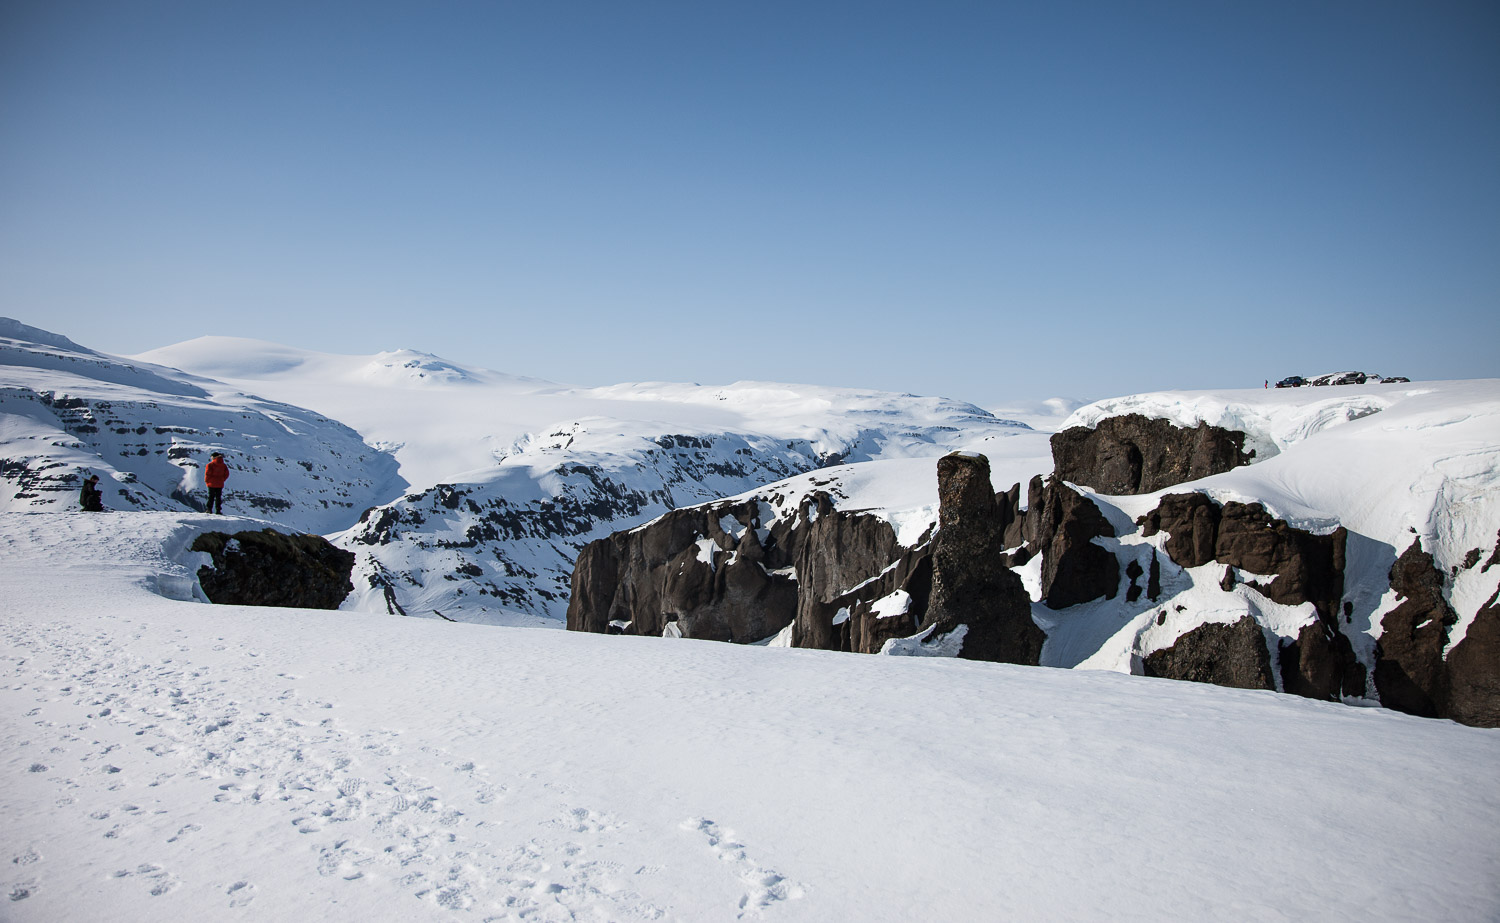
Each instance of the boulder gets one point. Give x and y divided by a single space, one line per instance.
269 568
1134 454
1224 655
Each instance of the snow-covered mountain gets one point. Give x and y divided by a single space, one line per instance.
512 476
67 411
174 760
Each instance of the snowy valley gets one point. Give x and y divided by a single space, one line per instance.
169 759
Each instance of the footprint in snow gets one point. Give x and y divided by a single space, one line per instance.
764 887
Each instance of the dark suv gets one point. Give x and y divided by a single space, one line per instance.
1294 381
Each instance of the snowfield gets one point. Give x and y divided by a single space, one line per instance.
170 760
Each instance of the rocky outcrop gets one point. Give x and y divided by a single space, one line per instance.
686 570
971 584
857 587
1133 454
268 568
737 572
1411 673
1474 670
1302 567
1061 524
1224 655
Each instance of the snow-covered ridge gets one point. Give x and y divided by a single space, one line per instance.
1271 419
511 477
147 430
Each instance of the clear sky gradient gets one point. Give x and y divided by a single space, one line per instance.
990 201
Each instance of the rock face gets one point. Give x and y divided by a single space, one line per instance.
1303 567
687 570
857 587
1061 524
1411 673
971 584
738 572
1225 655
1474 670
1133 454
268 568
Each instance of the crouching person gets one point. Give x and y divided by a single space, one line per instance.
90 497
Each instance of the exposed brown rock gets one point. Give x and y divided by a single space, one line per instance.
1224 655
1474 670
650 576
1133 454
1303 568
269 568
971 584
1409 671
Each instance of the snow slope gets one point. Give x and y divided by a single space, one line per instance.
67 411
167 759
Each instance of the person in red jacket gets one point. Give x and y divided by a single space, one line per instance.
214 476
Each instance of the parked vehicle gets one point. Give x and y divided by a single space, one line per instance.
1292 381
1341 378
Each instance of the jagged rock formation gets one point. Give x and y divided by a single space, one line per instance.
857 589
1222 654
467 544
1411 673
856 586
1133 454
686 570
840 578
268 568
1061 524
1303 567
971 584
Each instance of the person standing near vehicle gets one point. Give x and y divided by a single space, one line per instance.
214 476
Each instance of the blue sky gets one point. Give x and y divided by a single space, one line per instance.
989 201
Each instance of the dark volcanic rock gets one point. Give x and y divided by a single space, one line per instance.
971 584
1409 671
1411 674
1225 655
1474 670
845 562
268 568
1133 454
1320 664
1191 522
685 568
1062 524
1303 567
